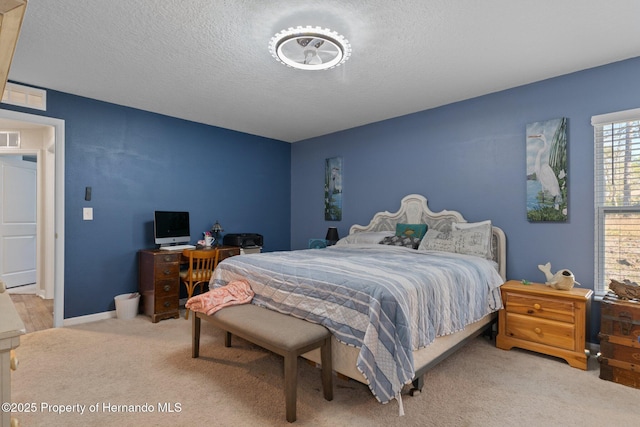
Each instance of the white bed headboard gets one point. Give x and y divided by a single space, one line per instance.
414 210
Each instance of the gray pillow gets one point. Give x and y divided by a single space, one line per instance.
473 238
406 241
436 240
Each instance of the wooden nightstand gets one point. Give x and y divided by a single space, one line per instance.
539 318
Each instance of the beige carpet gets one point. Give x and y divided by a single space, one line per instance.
110 363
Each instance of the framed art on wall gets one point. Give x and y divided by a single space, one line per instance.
333 189
547 171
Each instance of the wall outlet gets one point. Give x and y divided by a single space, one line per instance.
87 214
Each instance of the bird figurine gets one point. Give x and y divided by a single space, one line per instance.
563 280
625 290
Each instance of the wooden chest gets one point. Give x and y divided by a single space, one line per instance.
619 355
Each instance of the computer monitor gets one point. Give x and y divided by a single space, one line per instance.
170 227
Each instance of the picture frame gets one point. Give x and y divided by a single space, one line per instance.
547 185
333 189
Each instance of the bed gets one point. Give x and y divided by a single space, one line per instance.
395 310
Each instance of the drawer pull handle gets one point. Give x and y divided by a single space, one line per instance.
537 306
13 360
167 258
537 331
167 288
166 272
167 304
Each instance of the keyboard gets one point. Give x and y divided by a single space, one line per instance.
177 247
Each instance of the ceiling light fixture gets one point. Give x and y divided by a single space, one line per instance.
310 48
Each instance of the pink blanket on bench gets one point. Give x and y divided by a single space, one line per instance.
235 292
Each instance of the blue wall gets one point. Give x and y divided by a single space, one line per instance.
470 157
137 162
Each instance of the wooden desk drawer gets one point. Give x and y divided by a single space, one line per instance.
165 288
548 332
228 252
169 303
163 270
545 308
168 257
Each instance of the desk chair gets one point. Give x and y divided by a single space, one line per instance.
201 266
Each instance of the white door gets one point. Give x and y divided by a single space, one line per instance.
17 221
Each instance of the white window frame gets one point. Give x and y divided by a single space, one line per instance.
601 123
25 96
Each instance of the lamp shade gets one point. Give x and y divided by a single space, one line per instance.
332 236
217 228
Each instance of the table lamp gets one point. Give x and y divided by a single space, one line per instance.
215 231
332 236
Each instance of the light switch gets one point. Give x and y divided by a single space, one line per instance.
87 214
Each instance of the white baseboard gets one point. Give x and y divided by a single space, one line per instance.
89 318
99 316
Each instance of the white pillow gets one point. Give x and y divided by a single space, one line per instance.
472 238
365 237
436 240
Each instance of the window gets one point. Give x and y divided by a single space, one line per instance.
617 198
25 96
10 139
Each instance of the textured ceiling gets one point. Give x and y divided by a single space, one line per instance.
208 60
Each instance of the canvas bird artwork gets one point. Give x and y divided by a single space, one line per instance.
547 170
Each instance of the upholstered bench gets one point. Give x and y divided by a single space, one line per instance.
282 334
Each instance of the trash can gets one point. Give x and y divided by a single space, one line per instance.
127 305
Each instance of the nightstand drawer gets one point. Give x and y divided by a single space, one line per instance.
545 308
548 332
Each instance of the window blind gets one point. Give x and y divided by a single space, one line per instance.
617 197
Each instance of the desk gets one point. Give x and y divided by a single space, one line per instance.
159 280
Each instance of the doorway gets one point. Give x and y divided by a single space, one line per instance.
18 209
46 142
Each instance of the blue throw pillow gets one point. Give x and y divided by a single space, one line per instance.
411 230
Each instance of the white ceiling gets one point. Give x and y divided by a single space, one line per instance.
208 60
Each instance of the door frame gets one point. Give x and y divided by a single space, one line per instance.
56 275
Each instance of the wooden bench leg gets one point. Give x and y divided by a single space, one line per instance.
195 336
327 369
290 385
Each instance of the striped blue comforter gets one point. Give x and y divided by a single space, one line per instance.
385 300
